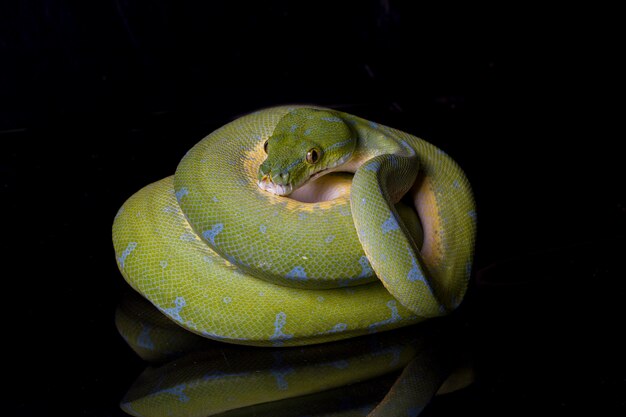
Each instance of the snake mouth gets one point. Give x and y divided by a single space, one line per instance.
285 189
278 189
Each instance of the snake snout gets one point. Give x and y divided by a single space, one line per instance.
277 177
282 178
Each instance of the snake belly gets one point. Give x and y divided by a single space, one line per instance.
226 260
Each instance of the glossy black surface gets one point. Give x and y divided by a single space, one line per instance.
98 101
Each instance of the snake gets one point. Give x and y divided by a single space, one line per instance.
301 224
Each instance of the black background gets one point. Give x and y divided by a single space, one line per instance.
98 100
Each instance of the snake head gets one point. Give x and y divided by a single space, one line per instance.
305 144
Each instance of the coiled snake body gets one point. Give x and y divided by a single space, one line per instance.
220 248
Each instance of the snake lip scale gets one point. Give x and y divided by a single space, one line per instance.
278 189
216 250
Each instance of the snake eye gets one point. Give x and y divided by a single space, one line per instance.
265 146
312 156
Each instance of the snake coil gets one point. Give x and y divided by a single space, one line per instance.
229 261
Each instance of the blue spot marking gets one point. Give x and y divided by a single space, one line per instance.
174 312
363 200
408 147
329 238
293 128
297 272
144 339
181 193
302 216
215 200
456 184
307 132
415 274
280 375
366 268
339 144
262 228
373 125
390 224
372 166
338 328
332 119
279 324
395 316
292 165
131 247
215 230
472 214
178 391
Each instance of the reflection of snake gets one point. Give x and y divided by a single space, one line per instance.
346 378
218 251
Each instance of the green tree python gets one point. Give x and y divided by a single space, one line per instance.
247 244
